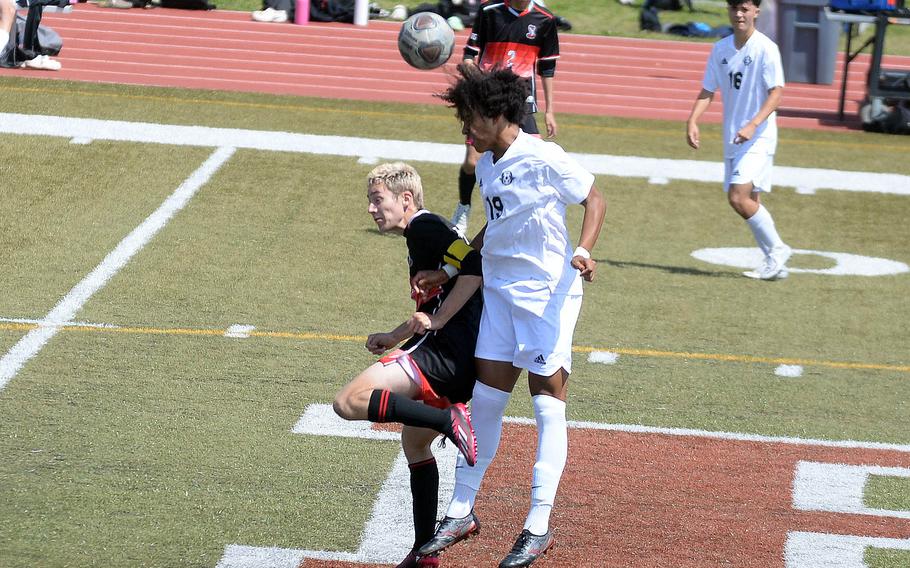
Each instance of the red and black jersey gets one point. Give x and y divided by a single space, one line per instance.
525 42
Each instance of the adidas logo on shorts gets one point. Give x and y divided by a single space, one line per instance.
540 360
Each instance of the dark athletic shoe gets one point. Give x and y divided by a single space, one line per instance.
527 548
412 560
462 432
449 532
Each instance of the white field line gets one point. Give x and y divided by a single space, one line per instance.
48 323
321 420
368 150
840 488
819 550
66 308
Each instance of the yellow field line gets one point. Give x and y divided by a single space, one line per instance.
304 336
896 148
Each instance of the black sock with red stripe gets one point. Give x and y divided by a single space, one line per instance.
386 406
424 496
466 184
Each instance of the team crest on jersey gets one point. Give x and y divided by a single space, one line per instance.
532 31
747 60
506 178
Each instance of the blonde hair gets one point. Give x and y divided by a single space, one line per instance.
397 177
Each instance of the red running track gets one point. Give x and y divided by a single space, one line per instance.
225 50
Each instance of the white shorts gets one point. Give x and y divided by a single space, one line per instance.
754 167
532 329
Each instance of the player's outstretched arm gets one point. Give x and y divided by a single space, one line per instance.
702 102
595 210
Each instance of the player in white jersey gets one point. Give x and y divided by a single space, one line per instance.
747 69
532 292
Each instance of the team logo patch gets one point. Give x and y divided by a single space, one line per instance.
532 31
506 178
747 60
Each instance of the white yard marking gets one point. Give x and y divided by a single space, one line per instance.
604 357
47 323
389 532
66 308
845 264
839 488
807 179
239 331
791 371
819 550
321 420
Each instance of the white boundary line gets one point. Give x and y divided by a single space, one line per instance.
75 299
368 150
46 323
321 420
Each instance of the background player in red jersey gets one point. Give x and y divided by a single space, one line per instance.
520 35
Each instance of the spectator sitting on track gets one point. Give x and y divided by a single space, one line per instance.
458 13
27 51
320 11
7 20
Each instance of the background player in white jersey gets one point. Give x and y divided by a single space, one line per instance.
747 69
520 35
532 294
425 384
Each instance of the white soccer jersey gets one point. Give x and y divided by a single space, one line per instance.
525 194
744 78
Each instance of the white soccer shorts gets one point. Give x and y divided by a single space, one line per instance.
752 167
532 329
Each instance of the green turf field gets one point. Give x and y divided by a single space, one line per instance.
158 442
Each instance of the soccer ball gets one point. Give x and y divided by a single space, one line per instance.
426 40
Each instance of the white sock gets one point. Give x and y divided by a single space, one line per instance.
552 450
487 407
764 231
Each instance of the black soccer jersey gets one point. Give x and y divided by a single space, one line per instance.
432 242
521 41
446 356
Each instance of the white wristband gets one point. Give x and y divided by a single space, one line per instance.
582 252
450 270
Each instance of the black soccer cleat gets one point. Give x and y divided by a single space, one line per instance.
527 549
449 532
461 431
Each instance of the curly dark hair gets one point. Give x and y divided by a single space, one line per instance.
489 94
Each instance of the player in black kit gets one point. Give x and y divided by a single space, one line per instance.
424 384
